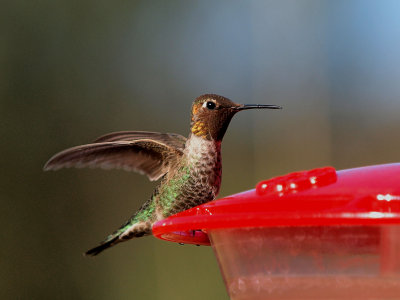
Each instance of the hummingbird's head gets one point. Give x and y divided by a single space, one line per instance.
212 113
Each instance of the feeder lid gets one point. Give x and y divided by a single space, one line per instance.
319 197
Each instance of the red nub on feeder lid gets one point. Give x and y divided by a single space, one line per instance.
297 181
319 197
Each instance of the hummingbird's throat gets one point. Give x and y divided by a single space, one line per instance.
199 129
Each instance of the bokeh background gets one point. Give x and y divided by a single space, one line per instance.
71 71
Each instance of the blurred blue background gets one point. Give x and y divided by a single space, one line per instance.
71 71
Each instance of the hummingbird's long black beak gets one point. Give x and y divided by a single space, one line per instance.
258 106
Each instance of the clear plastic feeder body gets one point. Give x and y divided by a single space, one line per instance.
313 262
316 234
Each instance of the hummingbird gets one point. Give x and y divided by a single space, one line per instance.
189 169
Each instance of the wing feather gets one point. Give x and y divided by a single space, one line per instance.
146 156
171 139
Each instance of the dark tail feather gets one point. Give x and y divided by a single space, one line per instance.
129 230
103 246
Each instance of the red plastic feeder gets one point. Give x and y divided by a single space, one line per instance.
316 234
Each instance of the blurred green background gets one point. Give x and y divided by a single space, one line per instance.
71 71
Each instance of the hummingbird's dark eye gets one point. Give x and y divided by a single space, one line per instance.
210 105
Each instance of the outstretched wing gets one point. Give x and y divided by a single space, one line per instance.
144 155
171 139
